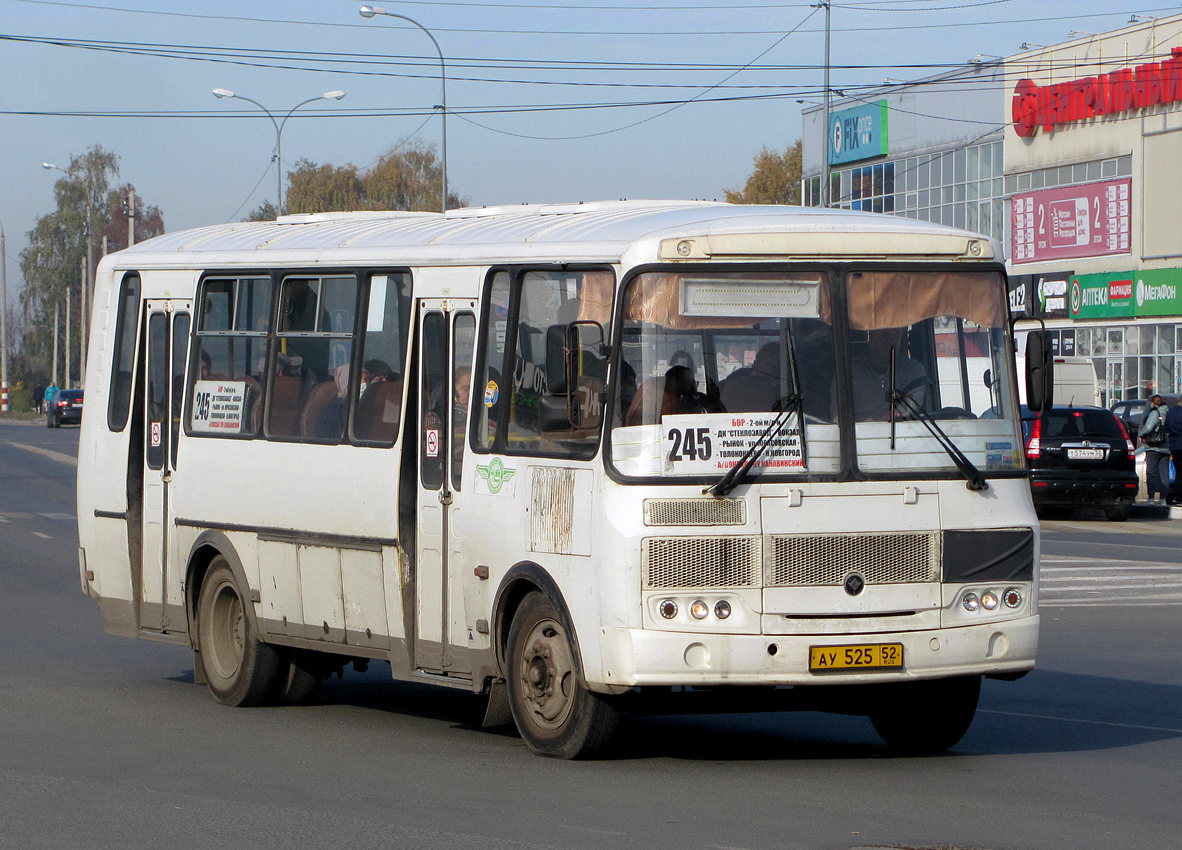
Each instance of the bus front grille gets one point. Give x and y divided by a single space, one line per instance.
701 562
819 560
695 512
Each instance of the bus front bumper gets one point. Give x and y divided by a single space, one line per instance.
639 657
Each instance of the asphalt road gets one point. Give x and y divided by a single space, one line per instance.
105 741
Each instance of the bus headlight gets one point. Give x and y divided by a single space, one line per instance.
722 609
971 602
1012 598
668 609
989 600
699 610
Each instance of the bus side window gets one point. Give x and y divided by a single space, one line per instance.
376 393
230 352
119 402
525 387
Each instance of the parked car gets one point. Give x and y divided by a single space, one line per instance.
65 406
1080 457
1132 413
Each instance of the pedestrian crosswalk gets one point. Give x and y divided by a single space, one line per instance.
1079 582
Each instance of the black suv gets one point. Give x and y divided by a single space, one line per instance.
66 406
1080 457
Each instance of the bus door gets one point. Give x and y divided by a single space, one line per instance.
166 344
446 337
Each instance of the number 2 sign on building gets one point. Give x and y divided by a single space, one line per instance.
1091 220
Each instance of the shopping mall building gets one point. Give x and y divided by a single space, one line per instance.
1071 156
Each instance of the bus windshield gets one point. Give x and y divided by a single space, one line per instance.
711 364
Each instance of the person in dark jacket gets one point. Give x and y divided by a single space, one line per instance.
1174 436
1157 457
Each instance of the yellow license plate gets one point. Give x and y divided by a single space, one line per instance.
867 656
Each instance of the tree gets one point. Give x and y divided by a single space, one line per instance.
406 177
265 211
775 180
52 261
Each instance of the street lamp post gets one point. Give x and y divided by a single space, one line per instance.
328 95
369 12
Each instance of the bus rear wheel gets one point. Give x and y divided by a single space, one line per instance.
240 670
928 716
555 713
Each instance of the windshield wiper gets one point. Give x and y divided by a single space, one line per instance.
974 479
737 474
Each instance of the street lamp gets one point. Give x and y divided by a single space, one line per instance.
369 12
328 95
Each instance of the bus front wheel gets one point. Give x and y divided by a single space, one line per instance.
240 669
928 716
555 713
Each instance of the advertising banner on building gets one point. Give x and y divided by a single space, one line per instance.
1158 292
1040 295
858 133
1091 220
1101 296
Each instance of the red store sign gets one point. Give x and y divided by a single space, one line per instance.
1037 106
1073 222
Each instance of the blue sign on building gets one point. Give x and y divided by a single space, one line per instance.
858 133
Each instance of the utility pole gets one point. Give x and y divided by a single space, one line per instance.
57 307
825 199
4 323
130 208
84 327
69 294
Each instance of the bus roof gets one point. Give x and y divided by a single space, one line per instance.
590 232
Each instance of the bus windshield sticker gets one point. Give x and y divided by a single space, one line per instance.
696 443
491 393
497 479
217 406
432 442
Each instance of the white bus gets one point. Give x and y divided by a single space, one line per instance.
584 459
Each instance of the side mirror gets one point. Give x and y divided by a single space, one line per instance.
987 378
575 370
1040 367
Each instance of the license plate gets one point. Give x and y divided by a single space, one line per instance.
867 656
1085 454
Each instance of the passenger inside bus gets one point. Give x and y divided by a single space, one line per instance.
870 365
380 409
754 388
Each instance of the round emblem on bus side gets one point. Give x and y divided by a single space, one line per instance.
854 584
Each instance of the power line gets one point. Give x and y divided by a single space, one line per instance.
593 33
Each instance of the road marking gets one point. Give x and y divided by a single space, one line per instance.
45 536
58 515
52 455
1093 582
1080 720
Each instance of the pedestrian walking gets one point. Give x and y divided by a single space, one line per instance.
39 398
1174 438
50 392
1157 451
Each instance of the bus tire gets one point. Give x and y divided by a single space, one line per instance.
240 670
927 717
554 712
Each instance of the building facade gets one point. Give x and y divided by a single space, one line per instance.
1075 165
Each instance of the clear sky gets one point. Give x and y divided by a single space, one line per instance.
548 100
